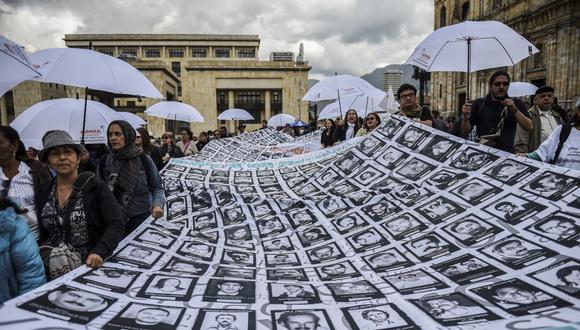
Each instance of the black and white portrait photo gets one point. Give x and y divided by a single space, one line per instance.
561 228
70 304
239 257
444 179
370 145
301 217
515 209
518 297
185 267
348 163
378 317
367 174
564 276
236 233
414 169
440 148
204 221
337 271
200 199
138 316
324 253
454 309
176 208
278 244
552 185
429 247
387 260
313 235
412 137
224 198
135 255
270 226
366 240
471 229
467 269
327 177
172 187
261 209
408 193
206 236
349 222
403 225
354 291
311 319
281 259
196 250
294 293
230 291
233 216
235 272
476 191
168 287
287 274
392 127
360 197
108 278
510 171
516 252
391 157
414 281
155 237
439 209
472 159
380 209
342 187
225 319
332 207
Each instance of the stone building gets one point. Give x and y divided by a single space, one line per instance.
553 26
210 72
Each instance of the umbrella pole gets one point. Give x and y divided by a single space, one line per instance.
339 106
84 117
468 66
366 106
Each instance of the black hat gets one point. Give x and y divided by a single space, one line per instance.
544 89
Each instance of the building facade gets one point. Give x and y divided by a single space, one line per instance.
210 72
393 79
553 26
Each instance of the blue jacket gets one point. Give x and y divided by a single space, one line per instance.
21 268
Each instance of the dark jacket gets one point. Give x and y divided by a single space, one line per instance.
175 152
327 140
41 178
105 223
156 155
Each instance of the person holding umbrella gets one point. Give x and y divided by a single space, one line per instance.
80 220
131 176
496 116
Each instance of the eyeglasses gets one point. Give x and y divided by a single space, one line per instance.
407 96
501 83
370 118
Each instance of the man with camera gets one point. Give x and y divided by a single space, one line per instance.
496 116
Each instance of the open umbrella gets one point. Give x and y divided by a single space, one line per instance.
15 65
389 103
132 119
92 70
471 46
67 115
235 114
518 88
298 123
280 120
175 111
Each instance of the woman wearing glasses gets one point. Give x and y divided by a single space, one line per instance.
169 148
372 121
21 179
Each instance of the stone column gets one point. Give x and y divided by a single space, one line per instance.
231 105
267 104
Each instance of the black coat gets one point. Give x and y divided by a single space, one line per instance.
41 178
104 219
327 140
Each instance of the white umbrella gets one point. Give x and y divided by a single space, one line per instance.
471 46
518 88
66 115
389 103
363 104
132 119
235 114
280 120
175 111
15 65
92 70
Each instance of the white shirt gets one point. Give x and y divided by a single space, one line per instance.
570 154
349 132
21 192
548 124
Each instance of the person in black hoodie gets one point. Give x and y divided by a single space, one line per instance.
327 136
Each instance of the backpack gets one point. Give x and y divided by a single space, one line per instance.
564 134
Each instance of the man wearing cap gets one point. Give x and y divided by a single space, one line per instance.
544 118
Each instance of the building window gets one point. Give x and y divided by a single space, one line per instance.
199 52
246 52
442 17
222 52
249 97
152 52
176 68
538 60
130 104
464 11
440 90
129 52
175 52
178 89
276 97
106 51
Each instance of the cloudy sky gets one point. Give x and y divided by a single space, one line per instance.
344 36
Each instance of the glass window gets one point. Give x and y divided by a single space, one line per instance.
175 52
199 52
443 17
246 52
176 68
129 51
152 52
107 51
222 52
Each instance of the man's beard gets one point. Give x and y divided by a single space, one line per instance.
500 98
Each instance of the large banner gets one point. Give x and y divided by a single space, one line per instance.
407 228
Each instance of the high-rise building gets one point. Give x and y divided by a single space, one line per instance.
393 79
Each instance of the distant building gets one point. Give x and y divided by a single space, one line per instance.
282 56
393 79
553 26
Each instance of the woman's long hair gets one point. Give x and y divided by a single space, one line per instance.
331 130
357 121
145 140
13 137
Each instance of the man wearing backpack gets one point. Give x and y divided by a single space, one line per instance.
496 115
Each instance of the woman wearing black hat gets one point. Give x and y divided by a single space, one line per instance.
80 220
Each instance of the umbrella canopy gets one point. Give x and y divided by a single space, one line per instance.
521 89
132 119
66 115
298 123
337 86
363 104
389 102
235 114
280 120
94 70
175 111
471 46
15 65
